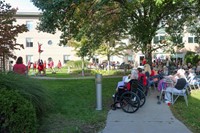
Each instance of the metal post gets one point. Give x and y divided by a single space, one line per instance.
98 79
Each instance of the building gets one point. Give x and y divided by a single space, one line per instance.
49 42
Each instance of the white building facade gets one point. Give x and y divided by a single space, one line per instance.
50 42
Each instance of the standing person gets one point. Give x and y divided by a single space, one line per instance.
29 65
147 72
34 66
41 67
144 61
45 66
51 65
59 65
19 67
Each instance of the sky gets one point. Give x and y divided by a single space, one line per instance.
23 5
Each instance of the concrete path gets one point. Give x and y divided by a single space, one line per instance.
151 118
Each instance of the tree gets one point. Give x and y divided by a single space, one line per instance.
82 49
112 48
99 19
9 32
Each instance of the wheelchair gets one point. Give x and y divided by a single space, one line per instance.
130 100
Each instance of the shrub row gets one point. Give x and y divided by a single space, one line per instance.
17 115
22 102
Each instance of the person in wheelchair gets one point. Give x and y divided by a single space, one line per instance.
125 85
128 93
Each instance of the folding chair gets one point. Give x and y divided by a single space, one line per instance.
193 82
184 92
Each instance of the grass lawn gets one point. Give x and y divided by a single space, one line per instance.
73 107
190 115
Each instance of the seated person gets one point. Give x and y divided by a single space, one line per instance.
127 79
191 74
125 85
179 81
142 77
19 67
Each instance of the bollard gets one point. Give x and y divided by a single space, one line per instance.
98 79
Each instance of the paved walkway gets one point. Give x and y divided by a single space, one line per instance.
151 118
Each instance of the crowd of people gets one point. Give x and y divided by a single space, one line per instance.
150 76
38 67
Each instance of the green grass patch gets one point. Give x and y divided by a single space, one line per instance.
74 105
65 73
190 115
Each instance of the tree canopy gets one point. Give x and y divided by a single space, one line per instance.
100 20
9 30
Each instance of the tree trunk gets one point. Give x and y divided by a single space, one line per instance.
4 62
148 54
83 67
108 66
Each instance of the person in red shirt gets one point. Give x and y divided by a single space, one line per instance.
34 66
59 65
144 61
29 65
153 72
45 65
142 77
19 67
41 67
51 66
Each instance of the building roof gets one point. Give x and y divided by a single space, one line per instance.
29 14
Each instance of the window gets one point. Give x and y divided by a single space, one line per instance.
29 58
29 25
157 39
29 42
130 58
162 37
195 40
192 39
66 58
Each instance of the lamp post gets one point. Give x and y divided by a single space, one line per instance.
98 79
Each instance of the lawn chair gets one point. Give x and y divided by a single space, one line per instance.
194 82
183 93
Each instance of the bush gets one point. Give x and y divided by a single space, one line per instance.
76 64
17 115
192 57
29 88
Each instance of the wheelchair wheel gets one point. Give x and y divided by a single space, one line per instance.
129 102
142 97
